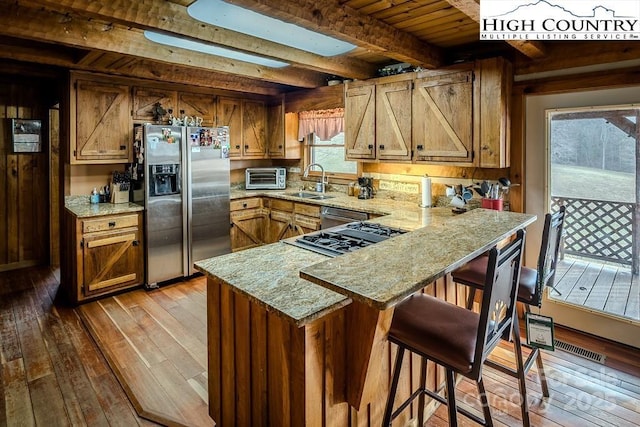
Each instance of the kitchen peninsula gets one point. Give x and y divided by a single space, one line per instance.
297 338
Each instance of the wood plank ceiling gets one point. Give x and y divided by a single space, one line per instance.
107 36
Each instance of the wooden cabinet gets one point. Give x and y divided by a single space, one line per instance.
248 223
306 218
491 116
288 219
106 255
442 123
247 121
359 124
456 116
198 105
393 120
144 100
101 126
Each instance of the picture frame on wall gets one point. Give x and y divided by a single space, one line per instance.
26 135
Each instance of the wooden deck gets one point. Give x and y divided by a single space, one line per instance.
54 374
606 287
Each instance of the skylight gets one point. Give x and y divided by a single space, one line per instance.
211 50
232 17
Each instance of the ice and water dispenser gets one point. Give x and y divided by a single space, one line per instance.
164 179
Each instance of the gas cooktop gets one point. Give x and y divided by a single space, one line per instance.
345 238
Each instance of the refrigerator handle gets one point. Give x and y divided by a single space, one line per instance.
186 202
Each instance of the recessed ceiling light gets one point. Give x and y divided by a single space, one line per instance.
211 50
232 17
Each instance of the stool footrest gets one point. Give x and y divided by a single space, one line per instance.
510 371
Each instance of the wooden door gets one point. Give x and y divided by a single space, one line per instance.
280 226
103 122
443 118
247 228
24 192
275 131
359 123
393 120
230 114
254 119
144 100
111 261
198 105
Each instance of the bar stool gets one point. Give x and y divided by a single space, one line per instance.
530 291
456 338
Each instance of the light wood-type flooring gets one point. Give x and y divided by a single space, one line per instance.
54 374
606 287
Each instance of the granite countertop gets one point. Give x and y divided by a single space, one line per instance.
269 276
383 274
81 208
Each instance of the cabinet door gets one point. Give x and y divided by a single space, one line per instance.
359 123
144 100
111 261
103 122
247 228
280 226
275 131
254 120
443 118
393 120
198 105
230 114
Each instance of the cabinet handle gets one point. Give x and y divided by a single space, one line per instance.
246 146
382 147
420 147
370 146
280 146
123 147
136 243
237 147
112 224
244 205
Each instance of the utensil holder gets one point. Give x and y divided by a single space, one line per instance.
495 204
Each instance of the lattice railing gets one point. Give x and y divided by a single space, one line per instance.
598 229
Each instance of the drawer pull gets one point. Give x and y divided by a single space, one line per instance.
112 224
136 243
420 147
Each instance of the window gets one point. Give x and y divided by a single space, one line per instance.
330 154
323 132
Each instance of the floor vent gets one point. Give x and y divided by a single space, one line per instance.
579 351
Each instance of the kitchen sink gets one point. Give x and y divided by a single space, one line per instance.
308 195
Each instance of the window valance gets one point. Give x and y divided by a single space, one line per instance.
324 123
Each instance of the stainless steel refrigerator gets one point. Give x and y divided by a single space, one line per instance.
186 196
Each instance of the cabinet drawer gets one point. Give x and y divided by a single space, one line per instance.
281 205
109 223
307 222
308 210
254 202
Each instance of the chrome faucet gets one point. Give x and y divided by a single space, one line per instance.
322 183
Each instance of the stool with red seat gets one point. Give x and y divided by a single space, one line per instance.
454 337
530 291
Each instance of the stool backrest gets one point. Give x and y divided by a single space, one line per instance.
499 298
548 258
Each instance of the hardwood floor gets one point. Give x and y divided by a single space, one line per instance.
605 287
54 374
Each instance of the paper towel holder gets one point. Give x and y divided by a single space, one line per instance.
426 201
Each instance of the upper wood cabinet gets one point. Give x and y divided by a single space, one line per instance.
275 131
101 126
198 105
455 116
393 120
144 100
359 122
443 124
247 121
491 119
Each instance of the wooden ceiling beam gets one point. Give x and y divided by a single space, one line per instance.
167 17
51 27
471 8
331 18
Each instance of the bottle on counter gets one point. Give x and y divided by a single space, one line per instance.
95 196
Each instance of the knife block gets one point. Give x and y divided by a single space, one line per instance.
119 196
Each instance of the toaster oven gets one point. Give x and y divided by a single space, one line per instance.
266 178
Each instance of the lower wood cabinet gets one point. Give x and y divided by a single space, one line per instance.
106 255
256 221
